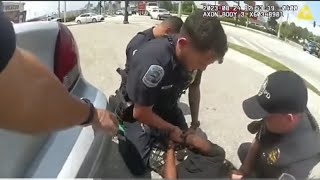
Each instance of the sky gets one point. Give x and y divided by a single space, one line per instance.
38 8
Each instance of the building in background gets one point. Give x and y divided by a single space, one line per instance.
15 11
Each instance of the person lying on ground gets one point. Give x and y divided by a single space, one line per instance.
205 160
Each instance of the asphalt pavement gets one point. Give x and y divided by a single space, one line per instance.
295 58
223 87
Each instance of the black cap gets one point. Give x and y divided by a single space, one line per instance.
281 92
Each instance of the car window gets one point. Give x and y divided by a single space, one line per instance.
152 4
161 10
83 15
154 10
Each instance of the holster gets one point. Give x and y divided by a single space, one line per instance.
124 109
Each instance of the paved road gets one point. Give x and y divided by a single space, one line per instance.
293 57
102 50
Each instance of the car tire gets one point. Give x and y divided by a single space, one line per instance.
94 20
78 22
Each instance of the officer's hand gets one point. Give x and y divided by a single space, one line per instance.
176 135
195 124
236 174
106 121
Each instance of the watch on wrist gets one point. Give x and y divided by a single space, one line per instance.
89 119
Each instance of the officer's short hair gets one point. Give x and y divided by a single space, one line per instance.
206 33
174 23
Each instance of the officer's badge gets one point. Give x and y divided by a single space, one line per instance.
153 76
273 156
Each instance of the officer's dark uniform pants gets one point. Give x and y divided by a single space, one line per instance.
140 138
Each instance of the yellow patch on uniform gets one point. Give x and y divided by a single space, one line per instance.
273 156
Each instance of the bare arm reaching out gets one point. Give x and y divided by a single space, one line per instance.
33 100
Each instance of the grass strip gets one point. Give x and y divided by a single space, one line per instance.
268 61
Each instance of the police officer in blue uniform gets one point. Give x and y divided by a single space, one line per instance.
287 143
159 72
170 25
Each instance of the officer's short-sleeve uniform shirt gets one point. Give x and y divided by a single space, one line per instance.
137 41
7 41
291 155
155 77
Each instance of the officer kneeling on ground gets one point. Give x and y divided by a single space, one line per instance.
171 25
205 159
159 72
287 143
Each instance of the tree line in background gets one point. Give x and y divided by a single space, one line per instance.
288 31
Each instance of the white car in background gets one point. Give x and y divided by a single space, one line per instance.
158 13
150 6
89 17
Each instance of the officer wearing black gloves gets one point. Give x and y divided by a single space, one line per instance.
159 72
287 143
33 100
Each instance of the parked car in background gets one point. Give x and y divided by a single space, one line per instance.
88 18
158 13
121 12
69 153
312 48
257 25
56 20
150 6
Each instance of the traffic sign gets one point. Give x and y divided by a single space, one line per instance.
305 13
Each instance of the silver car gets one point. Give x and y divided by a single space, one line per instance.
69 153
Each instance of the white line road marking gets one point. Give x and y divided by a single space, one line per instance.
233 40
249 44
262 47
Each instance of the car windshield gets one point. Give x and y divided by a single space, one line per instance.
152 4
162 10
312 44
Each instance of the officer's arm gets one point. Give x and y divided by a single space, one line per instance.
194 97
143 88
32 98
249 161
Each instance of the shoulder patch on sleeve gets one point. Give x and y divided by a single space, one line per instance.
153 76
286 176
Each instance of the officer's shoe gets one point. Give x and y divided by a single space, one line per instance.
157 159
